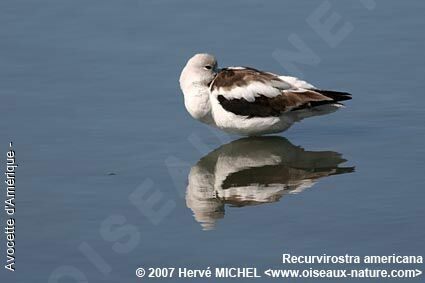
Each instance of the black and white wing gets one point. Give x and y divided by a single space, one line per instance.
253 93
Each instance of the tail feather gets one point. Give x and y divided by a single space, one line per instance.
335 95
324 106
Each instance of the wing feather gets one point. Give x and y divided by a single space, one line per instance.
253 93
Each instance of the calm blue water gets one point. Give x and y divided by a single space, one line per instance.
90 97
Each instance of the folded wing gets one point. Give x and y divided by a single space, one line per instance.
253 93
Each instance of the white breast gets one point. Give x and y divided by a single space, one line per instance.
197 103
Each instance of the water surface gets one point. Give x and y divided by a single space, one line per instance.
90 98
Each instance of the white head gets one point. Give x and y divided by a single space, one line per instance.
195 79
200 70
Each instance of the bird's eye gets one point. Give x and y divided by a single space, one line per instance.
208 67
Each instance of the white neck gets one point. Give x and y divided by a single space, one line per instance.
197 102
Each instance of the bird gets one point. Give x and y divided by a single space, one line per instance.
249 102
253 171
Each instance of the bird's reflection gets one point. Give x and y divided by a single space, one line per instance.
253 171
